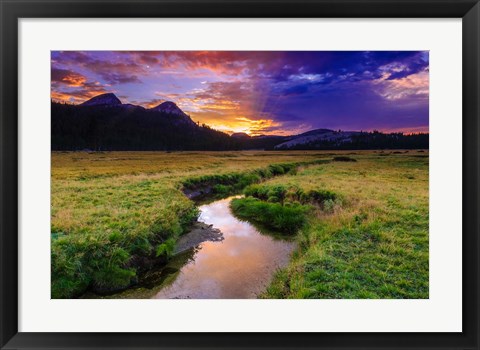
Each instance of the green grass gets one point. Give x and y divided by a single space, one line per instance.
288 218
282 208
222 185
291 194
374 245
111 211
365 234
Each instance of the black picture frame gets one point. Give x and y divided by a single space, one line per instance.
11 11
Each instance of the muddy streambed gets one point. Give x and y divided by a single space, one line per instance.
238 263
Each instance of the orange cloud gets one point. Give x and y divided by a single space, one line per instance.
412 85
77 96
67 77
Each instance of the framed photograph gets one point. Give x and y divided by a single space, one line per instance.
249 174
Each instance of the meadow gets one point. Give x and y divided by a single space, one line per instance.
361 225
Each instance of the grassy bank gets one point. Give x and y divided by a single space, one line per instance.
221 185
368 240
116 213
287 218
284 209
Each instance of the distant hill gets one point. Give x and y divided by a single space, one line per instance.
327 139
316 136
105 123
241 135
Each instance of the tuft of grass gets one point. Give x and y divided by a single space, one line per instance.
292 194
267 193
287 218
166 249
319 196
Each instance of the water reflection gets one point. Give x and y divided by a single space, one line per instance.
240 266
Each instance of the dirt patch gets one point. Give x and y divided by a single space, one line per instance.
199 233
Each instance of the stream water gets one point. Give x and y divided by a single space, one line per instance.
240 266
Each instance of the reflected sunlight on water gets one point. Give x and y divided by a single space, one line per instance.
240 266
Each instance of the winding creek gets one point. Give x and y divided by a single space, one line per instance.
238 267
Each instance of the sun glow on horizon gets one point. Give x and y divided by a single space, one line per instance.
259 92
241 124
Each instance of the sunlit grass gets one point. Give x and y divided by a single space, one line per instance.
110 208
375 245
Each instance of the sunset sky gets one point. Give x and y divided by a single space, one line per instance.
259 92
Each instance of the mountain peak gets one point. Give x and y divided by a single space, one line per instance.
108 99
169 107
